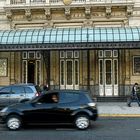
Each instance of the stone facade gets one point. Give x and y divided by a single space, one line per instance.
23 14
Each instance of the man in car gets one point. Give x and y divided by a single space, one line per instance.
54 98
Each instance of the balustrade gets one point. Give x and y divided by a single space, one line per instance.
73 1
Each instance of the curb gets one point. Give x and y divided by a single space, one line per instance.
120 115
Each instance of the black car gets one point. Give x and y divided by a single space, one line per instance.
54 107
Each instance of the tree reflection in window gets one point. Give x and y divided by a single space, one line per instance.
3 67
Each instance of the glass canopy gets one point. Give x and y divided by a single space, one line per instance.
70 35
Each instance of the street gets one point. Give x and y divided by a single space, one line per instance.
102 129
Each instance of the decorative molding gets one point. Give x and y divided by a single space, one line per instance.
13 25
88 12
126 22
129 10
67 2
28 14
67 13
48 24
48 13
88 23
9 14
108 11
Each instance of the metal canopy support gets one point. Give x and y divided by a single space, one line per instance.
71 46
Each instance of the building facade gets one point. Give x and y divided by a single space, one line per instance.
105 71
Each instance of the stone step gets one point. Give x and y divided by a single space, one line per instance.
112 99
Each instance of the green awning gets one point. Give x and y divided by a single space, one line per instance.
63 36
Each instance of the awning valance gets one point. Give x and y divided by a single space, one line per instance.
61 36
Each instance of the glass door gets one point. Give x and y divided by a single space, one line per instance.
69 70
108 74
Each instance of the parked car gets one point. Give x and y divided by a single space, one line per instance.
17 93
54 107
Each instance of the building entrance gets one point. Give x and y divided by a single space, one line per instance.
69 70
31 71
108 73
31 67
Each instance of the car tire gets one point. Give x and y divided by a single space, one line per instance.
82 122
13 122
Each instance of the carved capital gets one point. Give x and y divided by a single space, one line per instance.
129 10
87 12
48 13
28 14
108 11
67 13
9 14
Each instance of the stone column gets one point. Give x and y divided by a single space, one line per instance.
12 68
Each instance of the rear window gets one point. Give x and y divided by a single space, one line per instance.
28 90
68 97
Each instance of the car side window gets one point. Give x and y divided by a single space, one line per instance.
28 90
5 90
68 97
49 98
17 90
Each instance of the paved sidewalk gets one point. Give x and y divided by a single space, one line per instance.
118 109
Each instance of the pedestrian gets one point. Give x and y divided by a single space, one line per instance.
133 96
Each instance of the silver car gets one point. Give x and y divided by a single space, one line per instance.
18 93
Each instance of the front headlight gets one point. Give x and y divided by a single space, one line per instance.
92 104
4 109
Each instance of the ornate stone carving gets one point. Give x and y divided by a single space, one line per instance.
108 11
67 13
87 12
12 25
28 14
129 10
67 2
88 23
48 13
126 22
48 24
9 14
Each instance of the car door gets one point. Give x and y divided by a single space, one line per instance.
17 94
67 104
43 110
5 96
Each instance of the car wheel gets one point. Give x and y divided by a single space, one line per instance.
82 122
13 122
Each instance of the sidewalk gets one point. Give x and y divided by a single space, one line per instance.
118 109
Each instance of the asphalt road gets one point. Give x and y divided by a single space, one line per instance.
102 129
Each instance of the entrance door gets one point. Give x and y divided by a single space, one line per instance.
31 67
69 70
108 75
31 71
